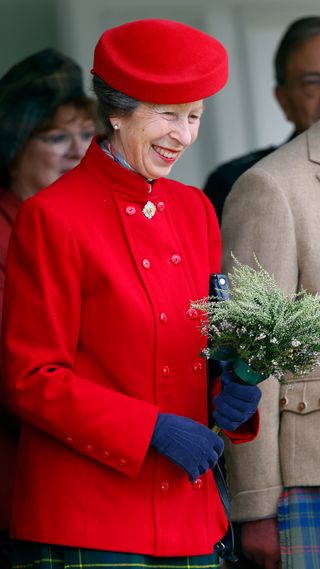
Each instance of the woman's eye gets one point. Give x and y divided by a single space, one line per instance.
57 138
87 135
194 118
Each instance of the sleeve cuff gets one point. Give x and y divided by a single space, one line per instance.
246 432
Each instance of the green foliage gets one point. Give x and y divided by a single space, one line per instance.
273 332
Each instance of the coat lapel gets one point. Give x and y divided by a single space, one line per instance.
313 142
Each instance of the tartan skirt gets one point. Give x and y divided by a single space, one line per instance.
30 555
299 526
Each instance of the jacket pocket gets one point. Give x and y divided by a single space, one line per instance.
299 432
301 396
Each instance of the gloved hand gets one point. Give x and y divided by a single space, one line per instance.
188 444
217 366
225 356
236 403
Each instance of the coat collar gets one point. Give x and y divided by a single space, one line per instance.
313 142
114 176
9 203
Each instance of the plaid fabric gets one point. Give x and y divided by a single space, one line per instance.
299 526
29 555
31 91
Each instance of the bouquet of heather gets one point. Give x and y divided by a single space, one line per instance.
262 330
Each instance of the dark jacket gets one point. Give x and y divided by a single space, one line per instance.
221 180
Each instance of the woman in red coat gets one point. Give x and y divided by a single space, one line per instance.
102 351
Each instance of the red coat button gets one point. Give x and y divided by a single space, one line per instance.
130 210
197 367
105 454
146 263
68 440
164 486
166 371
192 313
163 318
175 259
122 462
88 448
197 484
160 206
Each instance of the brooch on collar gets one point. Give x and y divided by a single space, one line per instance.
149 210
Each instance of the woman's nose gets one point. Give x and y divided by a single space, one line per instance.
182 132
77 148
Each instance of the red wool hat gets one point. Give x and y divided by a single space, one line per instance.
161 61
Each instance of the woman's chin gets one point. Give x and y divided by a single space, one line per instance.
159 171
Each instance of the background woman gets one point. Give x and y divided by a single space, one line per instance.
46 125
105 369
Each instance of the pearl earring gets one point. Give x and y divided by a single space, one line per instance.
116 126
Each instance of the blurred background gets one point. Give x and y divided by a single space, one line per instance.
242 117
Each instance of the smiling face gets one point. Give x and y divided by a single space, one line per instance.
154 137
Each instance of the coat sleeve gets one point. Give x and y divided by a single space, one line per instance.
258 219
42 322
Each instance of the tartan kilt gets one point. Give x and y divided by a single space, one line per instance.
30 555
299 526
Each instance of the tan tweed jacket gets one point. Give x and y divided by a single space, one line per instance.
274 211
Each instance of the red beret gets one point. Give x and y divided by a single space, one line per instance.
161 61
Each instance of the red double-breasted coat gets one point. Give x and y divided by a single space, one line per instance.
99 337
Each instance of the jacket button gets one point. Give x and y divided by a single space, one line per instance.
283 401
122 462
302 405
166 371
146 263
175 259
88 448
68 440
197 484
164 486
192 313
105 454
130 210
197 367
163 318
160 206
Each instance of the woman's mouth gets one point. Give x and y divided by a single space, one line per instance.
165 153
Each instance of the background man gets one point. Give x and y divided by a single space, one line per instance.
297 75
273 211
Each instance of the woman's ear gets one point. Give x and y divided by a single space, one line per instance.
115 123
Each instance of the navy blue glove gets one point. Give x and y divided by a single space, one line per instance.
217 366
188 444
236 403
